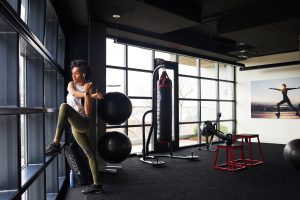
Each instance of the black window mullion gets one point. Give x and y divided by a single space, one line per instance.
126 82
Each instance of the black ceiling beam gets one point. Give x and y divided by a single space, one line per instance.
200 41
187 9
172 50
267 66
254 16
180 37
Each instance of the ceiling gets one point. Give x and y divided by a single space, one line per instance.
232 29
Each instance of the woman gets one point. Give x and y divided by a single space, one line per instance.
284 90
77 111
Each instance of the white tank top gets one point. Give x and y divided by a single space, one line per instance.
75 102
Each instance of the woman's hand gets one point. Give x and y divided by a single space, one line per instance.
88 86
97 95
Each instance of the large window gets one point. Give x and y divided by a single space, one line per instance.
129 70
205 88
32 83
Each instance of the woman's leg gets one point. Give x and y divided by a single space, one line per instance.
278 105
83 141
67 113
80 127
291 105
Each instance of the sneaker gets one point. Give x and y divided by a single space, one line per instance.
92 189
52 149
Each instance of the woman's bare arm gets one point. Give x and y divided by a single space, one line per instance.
72 90
87 99
293 88
275 89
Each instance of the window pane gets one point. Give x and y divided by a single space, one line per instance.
14 4
226 72
9 153
188 134
115 53
50 127
24 10
49 86
50 36
34 82
115 80
188 66
22 80
165 56
136 137
188 88
226 127
8 65
60 90
23 139
208 110
139 107
188 111
208 68
140 58
139 84
36 17
208 89
226 108
226 91
121 130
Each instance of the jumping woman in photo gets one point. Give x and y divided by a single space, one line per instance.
286 99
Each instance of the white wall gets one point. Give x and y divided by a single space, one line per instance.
278 131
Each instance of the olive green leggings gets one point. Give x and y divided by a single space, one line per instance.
80 127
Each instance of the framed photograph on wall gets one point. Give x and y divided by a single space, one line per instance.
277 98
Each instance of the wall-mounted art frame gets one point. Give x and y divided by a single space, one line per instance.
276 98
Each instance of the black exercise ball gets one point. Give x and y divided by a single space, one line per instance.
114 108
114 147
291 153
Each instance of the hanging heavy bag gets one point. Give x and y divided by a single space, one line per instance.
164 109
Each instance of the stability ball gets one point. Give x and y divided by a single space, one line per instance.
291 153
114 147
114 108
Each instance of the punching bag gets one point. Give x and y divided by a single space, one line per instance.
164 108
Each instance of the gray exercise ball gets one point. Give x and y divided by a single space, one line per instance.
291 153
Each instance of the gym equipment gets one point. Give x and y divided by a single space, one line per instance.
161 115
246 138
77 162
209 129
164 109
231 164
114 108
291 153
114 147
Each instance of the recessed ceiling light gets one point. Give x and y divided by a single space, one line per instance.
116 16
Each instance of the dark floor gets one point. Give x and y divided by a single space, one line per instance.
191 180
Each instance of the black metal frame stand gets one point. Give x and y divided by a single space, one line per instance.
113 169
153 160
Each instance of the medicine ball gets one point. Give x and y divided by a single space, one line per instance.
291 153
114 108
114 147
